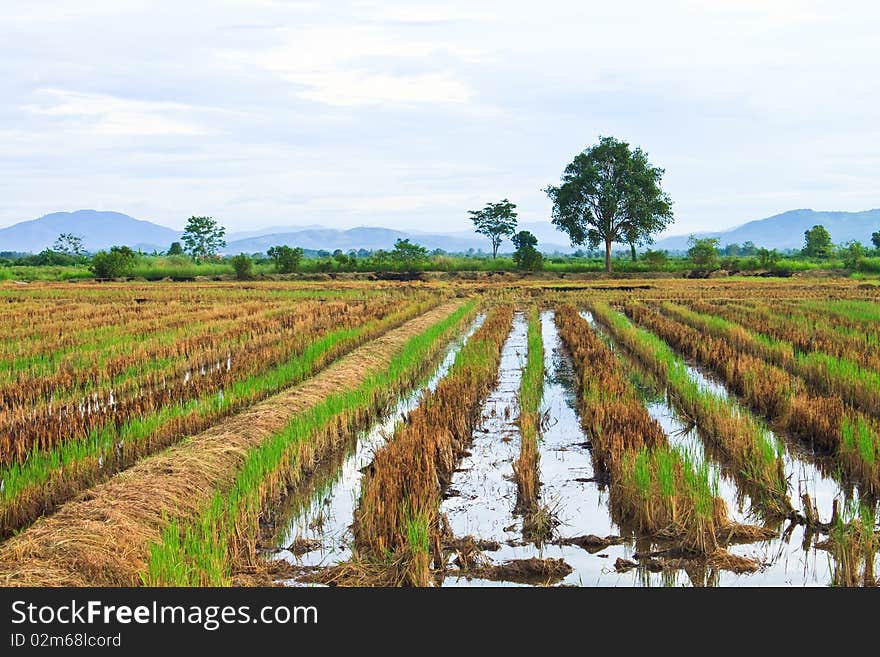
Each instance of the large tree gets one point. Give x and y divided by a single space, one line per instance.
203 237
610 193
817 242
496 221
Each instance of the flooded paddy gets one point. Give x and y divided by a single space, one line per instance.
318 532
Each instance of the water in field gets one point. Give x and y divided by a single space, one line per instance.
319 530
791 559
484 492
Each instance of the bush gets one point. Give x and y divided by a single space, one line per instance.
655 259
286 259
243 266
115 263
703 253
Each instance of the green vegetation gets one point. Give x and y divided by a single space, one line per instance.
610 193
243 266
527 255
496 221
755 452
47 475
201 555
203 237
115 263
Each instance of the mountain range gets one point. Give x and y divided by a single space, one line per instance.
100 230
786 230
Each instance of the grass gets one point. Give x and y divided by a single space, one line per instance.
47 477
745 442
531 388
205 553
655 489
823 419
410 471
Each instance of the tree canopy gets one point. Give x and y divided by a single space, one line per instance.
203 237
610 193
875 239
70 244
407 255
286 258
703 252
817 242
496 221
118 261
526 255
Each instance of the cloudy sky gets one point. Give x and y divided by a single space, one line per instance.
407 114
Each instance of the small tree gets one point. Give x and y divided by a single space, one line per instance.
610 193
407 255
656 260
175 249
496 221
115 263
817 242
703 252
853 253
875 240
286 259
526 255
748 249
768 258
203 237
244 267
731 249
69 244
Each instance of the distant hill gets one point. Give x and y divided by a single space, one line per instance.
371 238
99 230
786 230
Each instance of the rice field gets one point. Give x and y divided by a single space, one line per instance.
610 432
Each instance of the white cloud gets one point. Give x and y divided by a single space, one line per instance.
405 111
106 115
360 65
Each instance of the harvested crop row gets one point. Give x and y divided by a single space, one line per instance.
48 477
823 420
223 539
150 379
104 538
397 524
655 489
743 441
525 468
827 373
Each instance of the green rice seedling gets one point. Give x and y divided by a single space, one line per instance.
227 529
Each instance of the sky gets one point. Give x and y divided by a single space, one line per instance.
408 114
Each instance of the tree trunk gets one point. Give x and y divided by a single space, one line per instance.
495 246
608 255
632 248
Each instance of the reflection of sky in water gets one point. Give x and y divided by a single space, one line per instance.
327 516
484 492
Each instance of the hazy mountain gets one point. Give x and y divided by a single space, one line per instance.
99 230
269 230
371 238
786 230
331 239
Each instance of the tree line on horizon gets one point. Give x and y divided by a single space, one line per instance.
609 193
